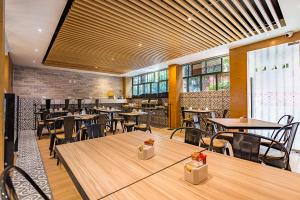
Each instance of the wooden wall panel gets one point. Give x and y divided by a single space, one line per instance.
175 88
238 72
8 74
2 49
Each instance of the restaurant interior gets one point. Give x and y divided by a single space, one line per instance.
149 99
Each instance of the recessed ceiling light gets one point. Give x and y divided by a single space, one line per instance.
40 30
189 19
36 50
139 44
96 67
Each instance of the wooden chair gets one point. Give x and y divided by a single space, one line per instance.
42 123
7 190
69 135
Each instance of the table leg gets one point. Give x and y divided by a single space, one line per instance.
136 120
52 138
112 122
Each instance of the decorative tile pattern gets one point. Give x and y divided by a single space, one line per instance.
215 100
29 159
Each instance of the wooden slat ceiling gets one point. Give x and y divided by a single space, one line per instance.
118 36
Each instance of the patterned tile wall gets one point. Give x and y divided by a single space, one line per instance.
214 100
161 115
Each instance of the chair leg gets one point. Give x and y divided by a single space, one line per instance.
57 162
227 151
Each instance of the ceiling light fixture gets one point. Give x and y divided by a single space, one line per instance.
139 44
36 50
96 67
189 19
40 30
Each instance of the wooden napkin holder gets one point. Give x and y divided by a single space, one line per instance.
146 153
197 174
243 119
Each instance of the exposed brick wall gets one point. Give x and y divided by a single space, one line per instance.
57 84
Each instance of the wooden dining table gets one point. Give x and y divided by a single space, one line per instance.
228 178
102 166
133 114
234 123
111 113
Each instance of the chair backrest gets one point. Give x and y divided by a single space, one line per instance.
149 118
95 130
246 146
182 112
286 119
69 124
7 190
192 135
225 112
101 119
286 135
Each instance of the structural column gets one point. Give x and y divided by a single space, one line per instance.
175 88
2 49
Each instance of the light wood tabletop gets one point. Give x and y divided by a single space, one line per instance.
198 111
234 123
228 178
132 114
101 166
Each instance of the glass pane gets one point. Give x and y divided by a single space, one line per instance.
226 67
156 76
194 84
135 80
197 68
154 88
151 77
184 85
223 81
135 90
144 79
163 75
141 89
214 65
186 69
208 82
147 88
163 87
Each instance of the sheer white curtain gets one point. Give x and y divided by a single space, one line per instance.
275 74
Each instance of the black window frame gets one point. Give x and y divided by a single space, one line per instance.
190 74
156 95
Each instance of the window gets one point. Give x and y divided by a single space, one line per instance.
194 84
207 75
154 84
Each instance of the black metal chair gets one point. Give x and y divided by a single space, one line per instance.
95 131
247 146
191 135
8 191
147 126
116 119
285 137
186 121
285 120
